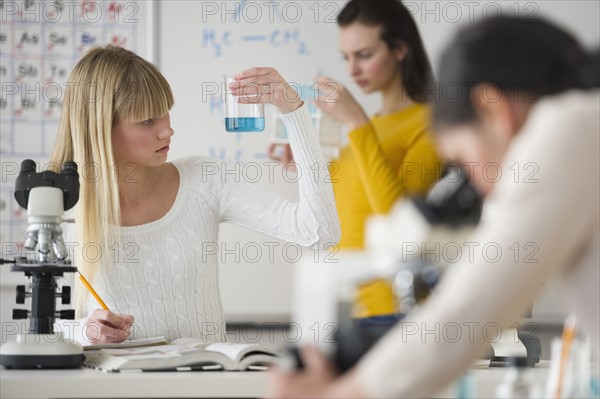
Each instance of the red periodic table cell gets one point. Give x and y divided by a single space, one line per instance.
90 12
56 11
124 13
121 38
114 12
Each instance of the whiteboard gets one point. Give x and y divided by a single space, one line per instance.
201 40
40 42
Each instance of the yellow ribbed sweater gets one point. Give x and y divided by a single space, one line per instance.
391 156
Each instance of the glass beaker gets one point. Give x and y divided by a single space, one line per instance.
243 117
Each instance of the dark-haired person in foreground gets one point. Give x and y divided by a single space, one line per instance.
527 99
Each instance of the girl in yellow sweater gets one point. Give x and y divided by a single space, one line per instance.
391 154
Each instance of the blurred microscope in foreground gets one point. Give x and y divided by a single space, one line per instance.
46 196
404 248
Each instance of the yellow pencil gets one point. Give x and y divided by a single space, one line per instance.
92 291
569 331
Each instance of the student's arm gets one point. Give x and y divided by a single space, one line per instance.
311 220
383 184
552 221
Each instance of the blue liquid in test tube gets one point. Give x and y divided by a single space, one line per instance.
235 125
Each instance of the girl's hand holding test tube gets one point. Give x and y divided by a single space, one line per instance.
265 86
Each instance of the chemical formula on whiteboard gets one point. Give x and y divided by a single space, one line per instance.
218 41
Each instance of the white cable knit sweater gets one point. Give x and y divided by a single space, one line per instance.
161 273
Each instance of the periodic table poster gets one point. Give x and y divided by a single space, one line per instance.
40 42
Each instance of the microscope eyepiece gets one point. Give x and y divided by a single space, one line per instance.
28 166
29 179
70 184
70 168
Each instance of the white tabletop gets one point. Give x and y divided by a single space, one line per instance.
89 383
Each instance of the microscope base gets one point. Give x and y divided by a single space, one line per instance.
41 361
41 351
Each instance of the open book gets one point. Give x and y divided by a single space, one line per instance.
181 354
150 341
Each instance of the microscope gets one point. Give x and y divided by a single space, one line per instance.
403 248
46 196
